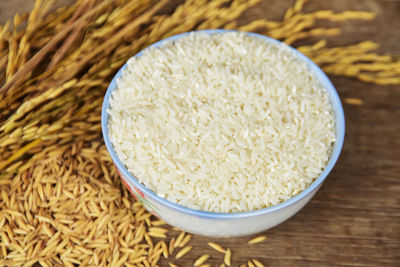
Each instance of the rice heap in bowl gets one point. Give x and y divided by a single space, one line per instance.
221 122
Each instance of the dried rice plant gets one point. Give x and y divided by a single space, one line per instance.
61 200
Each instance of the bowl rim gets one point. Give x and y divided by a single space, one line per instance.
337 147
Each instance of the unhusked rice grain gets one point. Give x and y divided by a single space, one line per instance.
222 122
217 247
257 239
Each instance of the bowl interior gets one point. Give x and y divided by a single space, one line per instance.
340 131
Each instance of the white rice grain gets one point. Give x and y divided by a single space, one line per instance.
222 122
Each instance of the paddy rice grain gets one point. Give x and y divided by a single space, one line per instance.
217 247
257 239
202 259
183 251
227 257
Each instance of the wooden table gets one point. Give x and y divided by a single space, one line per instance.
354 220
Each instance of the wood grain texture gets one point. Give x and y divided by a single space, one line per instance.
354 220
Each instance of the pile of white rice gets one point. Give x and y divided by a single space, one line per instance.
221 122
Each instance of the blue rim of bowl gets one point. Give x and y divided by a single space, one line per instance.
337 147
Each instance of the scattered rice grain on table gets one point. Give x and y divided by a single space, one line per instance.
353 101
171 246
227 257
185 240
257 239
183 252
217 247
179 239
201 259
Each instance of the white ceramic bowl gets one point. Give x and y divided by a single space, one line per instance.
226 224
